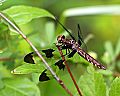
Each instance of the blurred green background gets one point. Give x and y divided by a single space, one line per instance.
100 30
103 27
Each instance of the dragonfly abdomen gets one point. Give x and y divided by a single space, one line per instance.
89 58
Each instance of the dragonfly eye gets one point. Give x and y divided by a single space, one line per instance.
60 38
63 37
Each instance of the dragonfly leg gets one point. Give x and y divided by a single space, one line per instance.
64 47
67 52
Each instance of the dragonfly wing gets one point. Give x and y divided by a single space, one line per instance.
29 57
80 39
65 29
50 57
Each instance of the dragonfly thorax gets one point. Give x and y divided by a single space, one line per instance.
66 42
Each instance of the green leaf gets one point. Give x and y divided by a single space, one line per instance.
117 50
1 84
4 35
92 83
50 32
24 14
19 87
115 88
29 68
109 49
100 88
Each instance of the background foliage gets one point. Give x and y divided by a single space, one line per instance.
104 45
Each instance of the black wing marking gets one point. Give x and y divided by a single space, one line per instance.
72 53
48 52
29 58
60 64
80 39
65 28
43 76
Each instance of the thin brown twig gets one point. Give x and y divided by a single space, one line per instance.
68 69
6 59
37 52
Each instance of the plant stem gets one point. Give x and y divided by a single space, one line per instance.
6 59
68 69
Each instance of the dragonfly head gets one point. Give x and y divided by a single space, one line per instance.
60 38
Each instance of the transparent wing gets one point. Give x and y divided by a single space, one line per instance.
80 39
65 29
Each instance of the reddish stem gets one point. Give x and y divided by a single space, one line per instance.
63 58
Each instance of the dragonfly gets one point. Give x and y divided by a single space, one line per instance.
75 46
71 46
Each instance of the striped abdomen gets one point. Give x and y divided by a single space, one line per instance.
89 58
